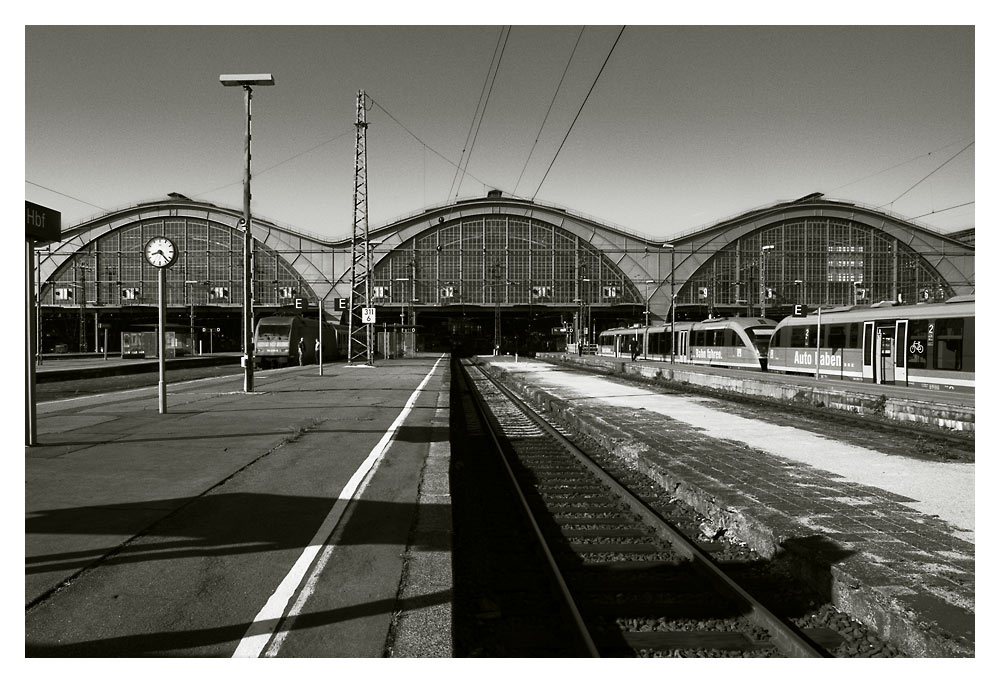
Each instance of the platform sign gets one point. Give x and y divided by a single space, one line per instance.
368 316
41 223
340 303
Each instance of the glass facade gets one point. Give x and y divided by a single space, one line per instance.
111 271
815 261
505 260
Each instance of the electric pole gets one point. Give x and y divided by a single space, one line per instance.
359 345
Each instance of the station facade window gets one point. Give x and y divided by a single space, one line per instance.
814 261
506 260
111 270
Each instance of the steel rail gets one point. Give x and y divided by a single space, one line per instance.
786 637
586 640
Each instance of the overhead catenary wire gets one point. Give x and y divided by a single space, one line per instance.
482 114
63 194
549 110
479 104
274 166
946 162
571 125
930 213
417 138
894 166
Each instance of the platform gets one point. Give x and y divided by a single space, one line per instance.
889 539
940 408
310 517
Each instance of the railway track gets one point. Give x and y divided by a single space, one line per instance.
630 582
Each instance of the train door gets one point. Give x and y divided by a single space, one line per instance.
682 345
880 360
868 353
900 355
881 353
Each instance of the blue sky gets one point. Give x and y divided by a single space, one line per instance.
685 126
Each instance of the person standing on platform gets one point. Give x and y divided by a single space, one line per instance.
302 351
317 349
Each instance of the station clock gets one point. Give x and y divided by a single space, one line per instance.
160 252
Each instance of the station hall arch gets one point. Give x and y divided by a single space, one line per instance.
496 270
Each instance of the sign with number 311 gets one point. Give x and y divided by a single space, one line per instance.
368 316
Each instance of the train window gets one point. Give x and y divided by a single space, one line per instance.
854 341
837 336
730 338
784 337
273 329
800 337
969 346
948 352
917 346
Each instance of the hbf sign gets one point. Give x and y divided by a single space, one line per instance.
41 223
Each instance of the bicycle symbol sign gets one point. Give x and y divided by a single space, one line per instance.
916 347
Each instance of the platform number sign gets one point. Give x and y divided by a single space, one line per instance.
368 316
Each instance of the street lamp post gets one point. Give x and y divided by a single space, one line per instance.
190 294
402 316
646 312
764 250
247 81
673 304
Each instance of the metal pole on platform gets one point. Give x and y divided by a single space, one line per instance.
319 355
673 302
30 415
819 320
245 81
161 336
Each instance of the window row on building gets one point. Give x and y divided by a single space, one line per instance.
112 271
814 261
500 260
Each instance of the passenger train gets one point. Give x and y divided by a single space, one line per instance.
923 345
276 340
723 342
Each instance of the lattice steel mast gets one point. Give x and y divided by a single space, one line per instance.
359 345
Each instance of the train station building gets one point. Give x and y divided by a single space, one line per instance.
488 272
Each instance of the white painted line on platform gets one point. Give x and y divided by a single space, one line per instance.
266 623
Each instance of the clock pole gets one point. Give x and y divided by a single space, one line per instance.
162 339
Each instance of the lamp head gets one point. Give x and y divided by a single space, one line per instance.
246 79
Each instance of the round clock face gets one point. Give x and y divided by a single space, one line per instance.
160 252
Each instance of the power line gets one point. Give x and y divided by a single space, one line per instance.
483 114
930 174
63 194
274 166
472 124
546 118
606 59
417 138
956 206
895 166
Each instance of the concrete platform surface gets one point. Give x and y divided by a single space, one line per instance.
314 510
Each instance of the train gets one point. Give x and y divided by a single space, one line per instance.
928 345
144 343
276 341
734 342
